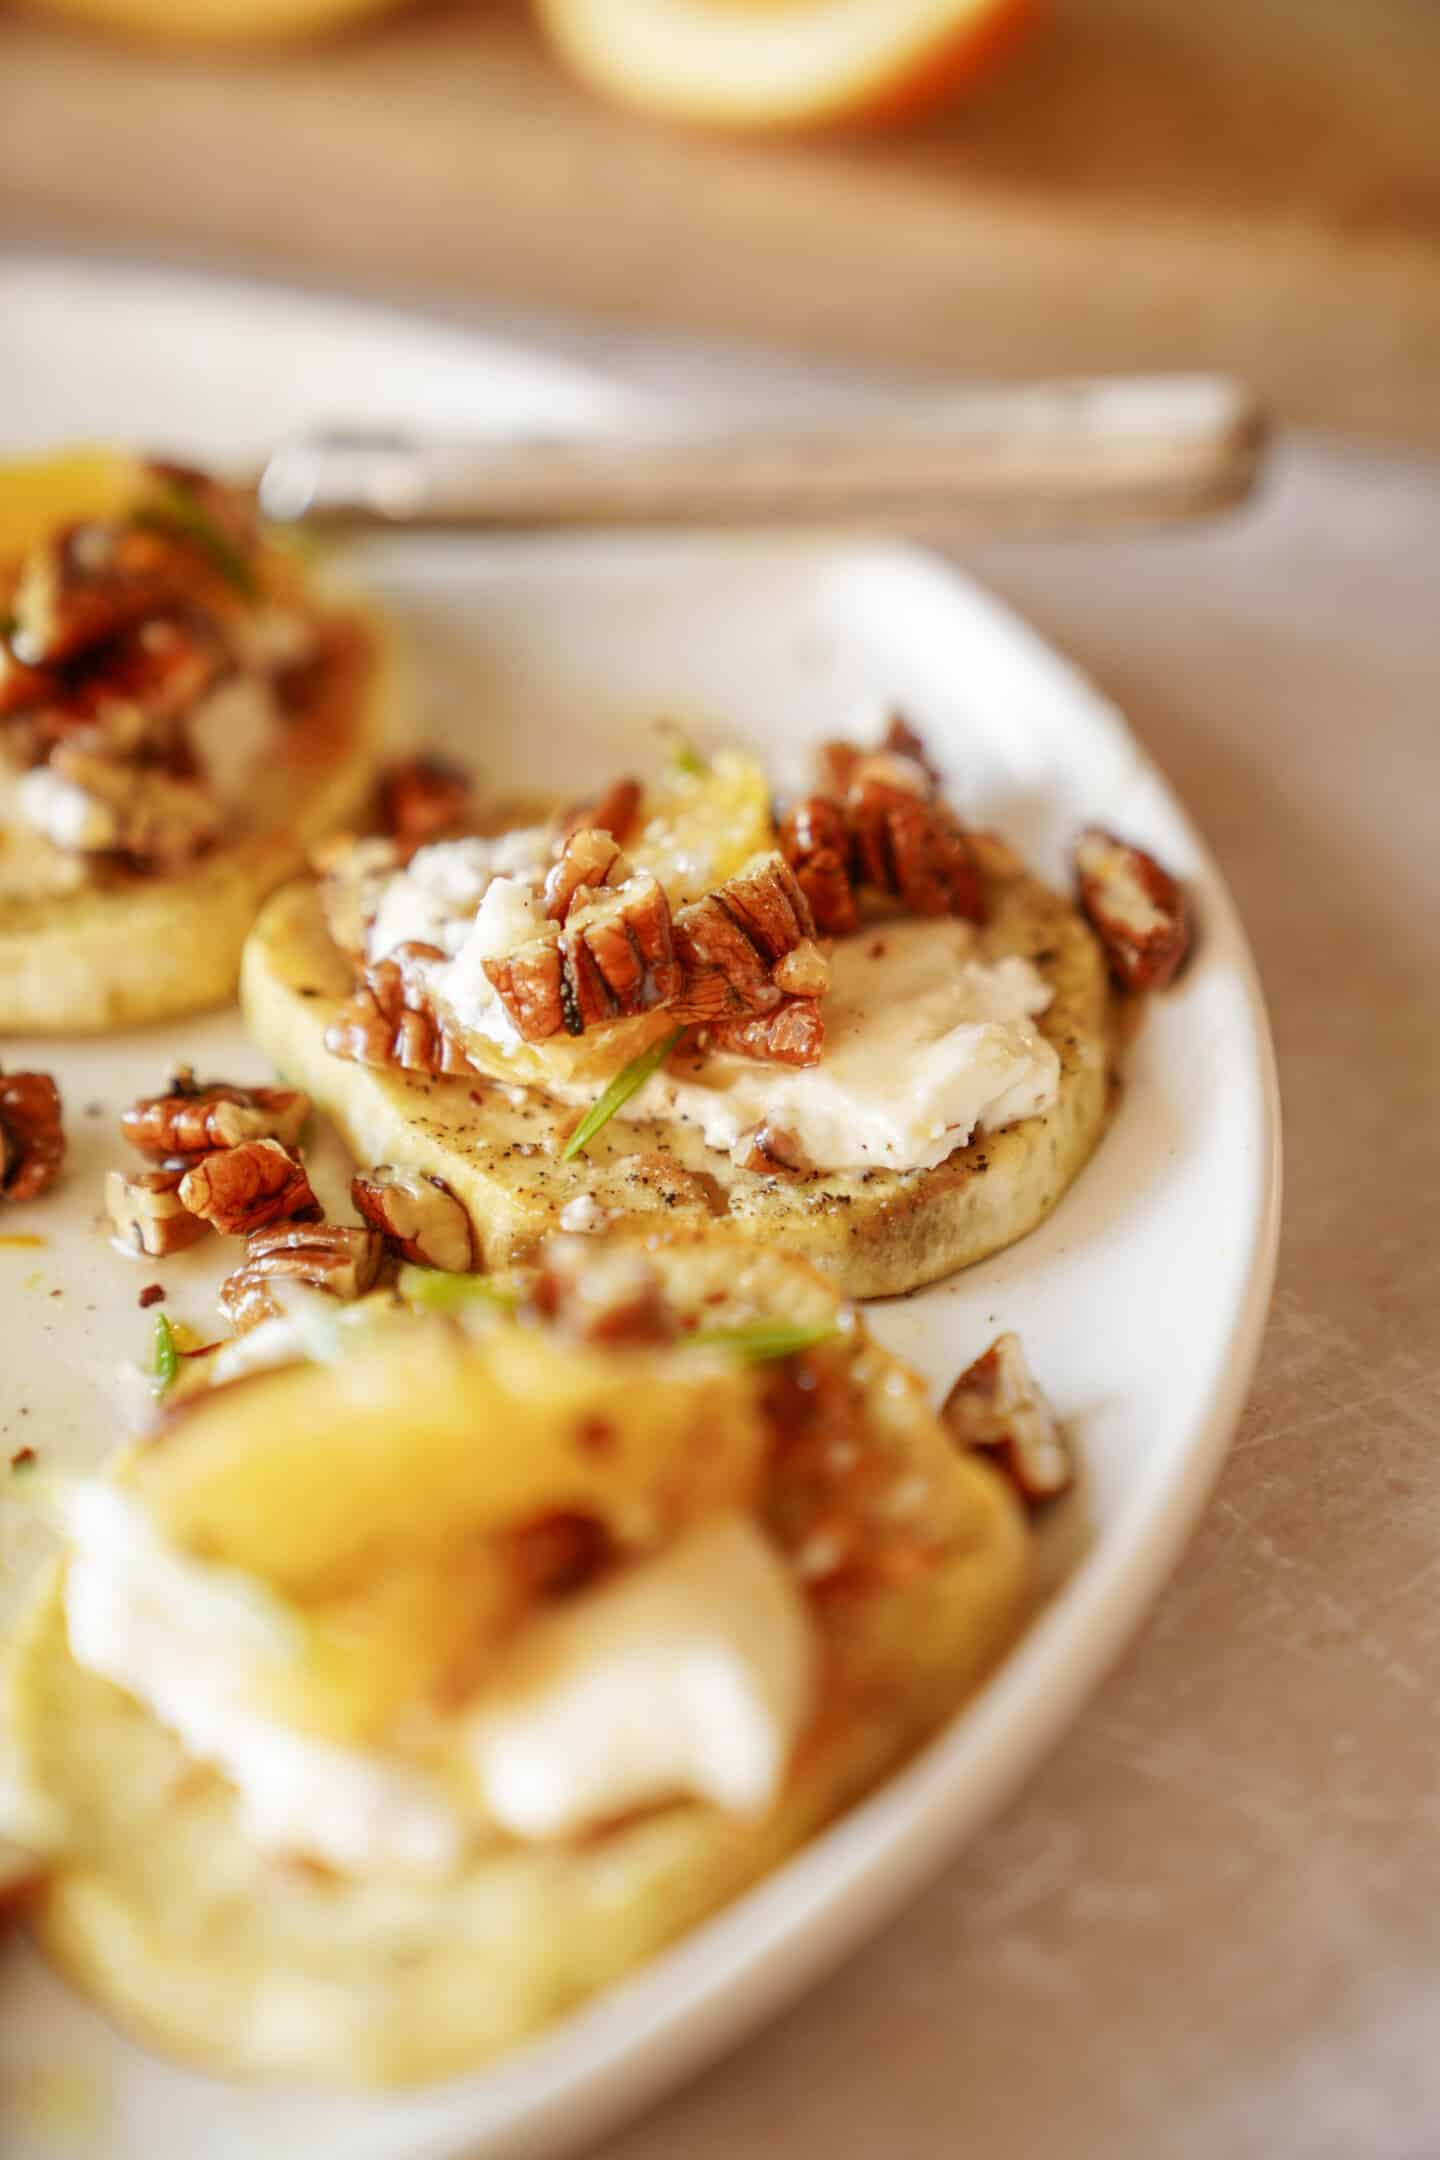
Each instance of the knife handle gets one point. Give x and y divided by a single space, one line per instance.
1040 454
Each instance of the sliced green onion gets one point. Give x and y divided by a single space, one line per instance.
439 1292
626 1083
167 1357
766 1340
687 759
179 511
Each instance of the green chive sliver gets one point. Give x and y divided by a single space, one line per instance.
766 1341
167 1358
687 759
178 511
626 1083
442 1293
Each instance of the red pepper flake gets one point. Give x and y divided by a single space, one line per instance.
22 1458
152 1294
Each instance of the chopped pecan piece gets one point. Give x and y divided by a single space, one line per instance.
332 1257
388 1019
602 1293
530 985
158 819
902 741
627 932
793 1034
22 687
148 1213
32 1135
912 847
589 857
87 583
1135 907
423 798
996 1407
881 825
554 1555
614 811
192 1120
240 1189
837 762
615 957
772 1151
418 1215
732 940
131 693
815 841
804 973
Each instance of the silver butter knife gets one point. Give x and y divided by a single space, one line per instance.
1040 454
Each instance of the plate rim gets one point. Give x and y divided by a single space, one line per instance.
1032 1699
857 1874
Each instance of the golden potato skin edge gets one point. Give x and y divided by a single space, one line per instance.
194 1941
874 1234
158 948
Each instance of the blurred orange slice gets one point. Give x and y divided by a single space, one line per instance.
784 63
213 22
69 487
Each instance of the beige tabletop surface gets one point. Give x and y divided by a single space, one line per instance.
1209 1928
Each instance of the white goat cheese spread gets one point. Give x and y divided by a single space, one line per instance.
924 1045
925 1042
691 1674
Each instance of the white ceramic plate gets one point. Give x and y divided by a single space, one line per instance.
1141 1301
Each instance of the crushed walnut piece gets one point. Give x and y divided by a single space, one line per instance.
996 1408
191 1119
388 1020
423 799
330 1257
240 1189
148 1214
602 1293
1136 908
32 1135
418 1215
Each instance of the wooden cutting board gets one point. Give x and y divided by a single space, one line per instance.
1248 183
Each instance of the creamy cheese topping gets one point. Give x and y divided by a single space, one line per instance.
232 731
924 1045
925 1042
691 1675
193 1646
67 815
510 914
435 899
